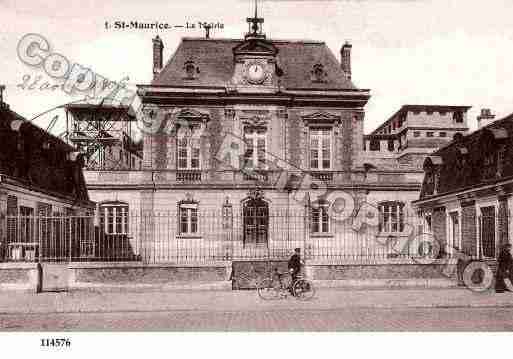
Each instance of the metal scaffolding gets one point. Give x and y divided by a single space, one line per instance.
104 134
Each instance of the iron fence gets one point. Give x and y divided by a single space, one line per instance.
192 236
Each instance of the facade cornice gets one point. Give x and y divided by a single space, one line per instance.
10 183
158 93
501 188
211 186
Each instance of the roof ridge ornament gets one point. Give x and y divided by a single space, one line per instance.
255 25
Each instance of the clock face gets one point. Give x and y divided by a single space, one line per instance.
255 73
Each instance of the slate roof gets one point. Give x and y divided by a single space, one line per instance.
460 163
45 168
215 59
7 116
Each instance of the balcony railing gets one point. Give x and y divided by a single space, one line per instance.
322 176
260 176
267 177
188 176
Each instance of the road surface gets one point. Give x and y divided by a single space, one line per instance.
348 319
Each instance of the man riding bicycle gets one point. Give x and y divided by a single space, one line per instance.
294 266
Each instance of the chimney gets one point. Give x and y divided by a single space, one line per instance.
3 105
158 46
345 59
485 118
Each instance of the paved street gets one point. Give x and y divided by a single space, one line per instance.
413 309
410 319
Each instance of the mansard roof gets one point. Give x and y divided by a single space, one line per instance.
460 163
215 61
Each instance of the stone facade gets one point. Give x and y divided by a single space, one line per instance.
293 108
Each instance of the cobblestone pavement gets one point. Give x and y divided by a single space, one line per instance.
240 301
410 319
331 309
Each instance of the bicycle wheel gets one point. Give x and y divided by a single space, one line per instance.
266 289
303 290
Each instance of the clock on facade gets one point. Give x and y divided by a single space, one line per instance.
255 73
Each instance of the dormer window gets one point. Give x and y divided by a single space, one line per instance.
457 117
488 147
191 70
318 73
501 159
432 166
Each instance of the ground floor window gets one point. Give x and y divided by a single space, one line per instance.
391 217
114 218
188 216
256 221
319 218
26 224
454 230
487 232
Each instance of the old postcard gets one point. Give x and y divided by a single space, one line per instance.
255 166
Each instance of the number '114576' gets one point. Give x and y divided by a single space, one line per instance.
56 342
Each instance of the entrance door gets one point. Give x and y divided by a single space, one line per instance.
488 231
256 222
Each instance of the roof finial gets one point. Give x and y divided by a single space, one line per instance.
207 30
255 28
2 88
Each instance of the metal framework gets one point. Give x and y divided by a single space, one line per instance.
98 131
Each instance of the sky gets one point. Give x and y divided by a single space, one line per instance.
444 52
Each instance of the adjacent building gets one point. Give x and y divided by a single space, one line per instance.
41 183
415 131
466 199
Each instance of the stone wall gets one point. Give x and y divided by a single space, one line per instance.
133 275
379 271
247 274
20 276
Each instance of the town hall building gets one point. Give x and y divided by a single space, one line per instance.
255 146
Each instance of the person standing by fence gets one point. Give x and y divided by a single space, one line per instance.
504 269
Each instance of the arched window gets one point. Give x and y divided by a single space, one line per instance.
191 70
255 212
318 73
391 217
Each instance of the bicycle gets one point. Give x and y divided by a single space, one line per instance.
275 288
